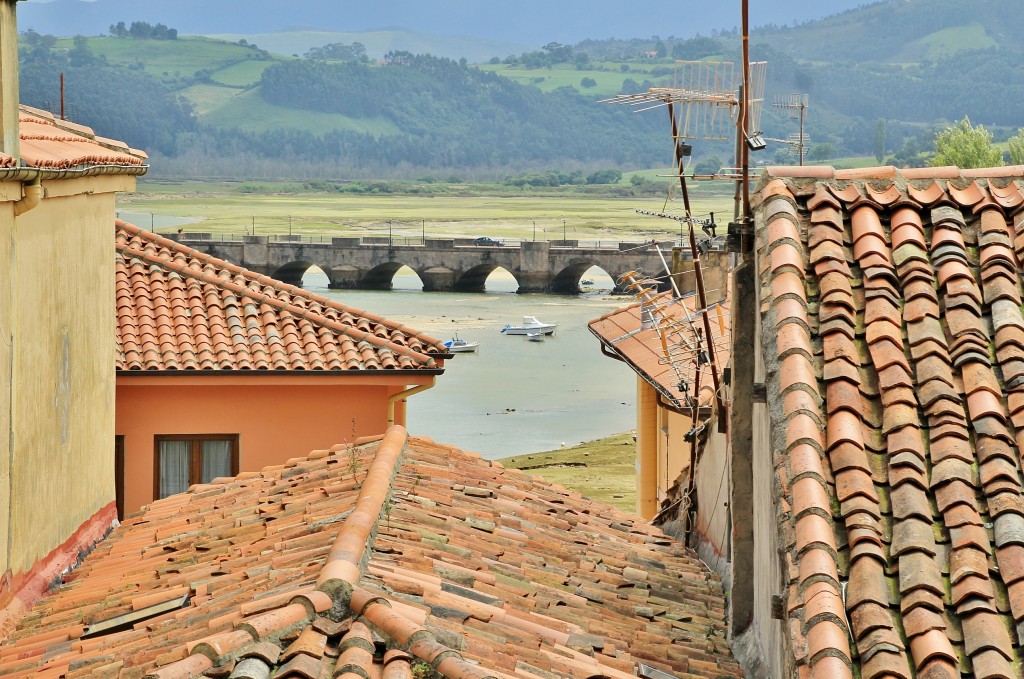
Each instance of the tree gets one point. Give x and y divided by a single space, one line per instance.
708 165
821 151
588 82
880 139
965 146
609 176
1016 144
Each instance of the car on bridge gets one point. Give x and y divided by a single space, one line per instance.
486 240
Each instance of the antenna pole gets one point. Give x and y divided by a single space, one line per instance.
747 245
62 96
680 162
801 147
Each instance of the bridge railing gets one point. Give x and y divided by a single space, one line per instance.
397 241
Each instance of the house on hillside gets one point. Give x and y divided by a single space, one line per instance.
393 556
886 451
58 181
219 369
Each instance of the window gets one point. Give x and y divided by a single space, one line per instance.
185 460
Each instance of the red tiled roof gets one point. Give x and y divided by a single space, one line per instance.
52 144
180 309
621 332
393 553
891 302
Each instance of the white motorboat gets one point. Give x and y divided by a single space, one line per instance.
458 346
530 326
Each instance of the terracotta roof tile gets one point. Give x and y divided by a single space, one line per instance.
937 349
429 556
622 332
49 143
179 309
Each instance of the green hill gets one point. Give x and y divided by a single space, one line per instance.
894 68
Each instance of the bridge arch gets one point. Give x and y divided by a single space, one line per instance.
292 272
475 278
567 281
380 277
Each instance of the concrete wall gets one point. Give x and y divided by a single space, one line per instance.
768 574
276 418
712 528
57 357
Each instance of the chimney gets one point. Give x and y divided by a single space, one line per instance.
9 91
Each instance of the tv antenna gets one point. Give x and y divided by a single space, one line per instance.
704 97
796 106
702 102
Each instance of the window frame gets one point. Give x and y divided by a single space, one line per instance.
195 461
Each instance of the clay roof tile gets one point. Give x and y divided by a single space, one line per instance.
238 320
922 361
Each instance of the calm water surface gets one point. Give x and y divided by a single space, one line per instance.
512 396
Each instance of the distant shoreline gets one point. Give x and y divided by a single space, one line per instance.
603 469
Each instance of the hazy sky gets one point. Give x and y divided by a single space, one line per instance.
524 21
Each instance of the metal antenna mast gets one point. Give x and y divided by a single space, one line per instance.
796 105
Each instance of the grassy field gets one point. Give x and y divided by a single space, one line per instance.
233 208
604 470
167 59
608 76
248 111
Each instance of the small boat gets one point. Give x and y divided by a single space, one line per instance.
530 325
535 337
457 346
586 281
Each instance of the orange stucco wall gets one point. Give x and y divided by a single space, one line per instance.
276 419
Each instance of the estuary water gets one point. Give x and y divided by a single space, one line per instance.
512 395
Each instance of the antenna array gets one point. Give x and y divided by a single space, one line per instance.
706 98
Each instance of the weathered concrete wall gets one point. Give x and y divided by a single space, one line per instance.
768 574
59 270
712 530
714 267
275 417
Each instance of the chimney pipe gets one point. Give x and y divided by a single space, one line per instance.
9 93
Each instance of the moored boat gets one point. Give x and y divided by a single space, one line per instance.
458 346
530 325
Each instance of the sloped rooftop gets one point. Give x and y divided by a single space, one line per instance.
63 147
394 556
670 370
892 326
182 310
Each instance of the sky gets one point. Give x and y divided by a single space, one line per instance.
525 21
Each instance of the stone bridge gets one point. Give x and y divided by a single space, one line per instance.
443 265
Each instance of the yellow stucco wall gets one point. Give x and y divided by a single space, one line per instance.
647 434
673 449
57 320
